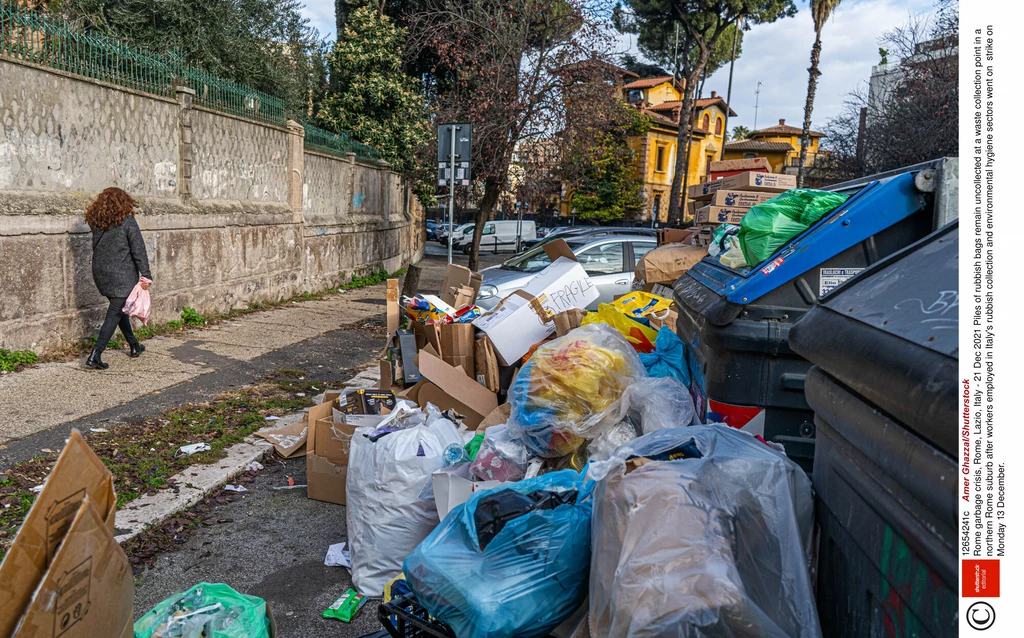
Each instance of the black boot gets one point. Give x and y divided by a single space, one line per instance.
94 360
136 350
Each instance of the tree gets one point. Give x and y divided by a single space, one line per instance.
703 25
643 69
499 60
596 163
820 12
264 44
912 115
373 98
740 133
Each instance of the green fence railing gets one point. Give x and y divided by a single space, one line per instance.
50 41
340 144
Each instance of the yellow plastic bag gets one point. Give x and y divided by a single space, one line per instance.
638 335
641 304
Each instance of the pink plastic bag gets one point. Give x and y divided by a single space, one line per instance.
138 303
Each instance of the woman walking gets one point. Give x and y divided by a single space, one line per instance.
119 262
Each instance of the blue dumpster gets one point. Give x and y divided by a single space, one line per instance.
736 322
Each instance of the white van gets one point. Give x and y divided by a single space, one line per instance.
500 236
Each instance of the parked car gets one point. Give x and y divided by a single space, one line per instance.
456 234
499 236
432 227
587 231
609 260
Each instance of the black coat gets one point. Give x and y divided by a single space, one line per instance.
119 258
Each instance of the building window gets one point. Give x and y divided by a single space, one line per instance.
706 122
718 126
749 155
707 166
659 161
657 206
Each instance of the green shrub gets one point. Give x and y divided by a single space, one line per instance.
190 317
10 360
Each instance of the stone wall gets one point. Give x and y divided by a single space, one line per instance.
233 211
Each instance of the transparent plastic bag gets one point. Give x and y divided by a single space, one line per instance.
733 257
769 225
708 537
527 579
227 613
659 403
501 457
386 516
619 435
571 389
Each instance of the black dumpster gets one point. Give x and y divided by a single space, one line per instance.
884 390
736 322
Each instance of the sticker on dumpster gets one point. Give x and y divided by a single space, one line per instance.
832 277
772 265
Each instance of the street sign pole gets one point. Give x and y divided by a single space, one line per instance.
451 193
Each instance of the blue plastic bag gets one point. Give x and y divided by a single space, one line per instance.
531 576
668 359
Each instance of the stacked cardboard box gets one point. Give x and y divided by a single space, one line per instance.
727 200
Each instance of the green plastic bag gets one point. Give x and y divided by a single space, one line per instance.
474 446
210 610
766 227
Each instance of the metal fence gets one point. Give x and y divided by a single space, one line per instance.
339 144
50 41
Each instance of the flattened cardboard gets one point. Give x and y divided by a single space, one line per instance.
452 388
485 363
464 296
289 441
720 215
558 248
457 347
666 264
79 488
392 306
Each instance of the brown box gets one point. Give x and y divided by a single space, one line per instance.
747 164
449 387
333 440
485 363
737 199
720 215
665 264
325 478
759 182
457 346
675 236
568 320
392 307
455 277
64 574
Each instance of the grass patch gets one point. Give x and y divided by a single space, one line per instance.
141 456
14 360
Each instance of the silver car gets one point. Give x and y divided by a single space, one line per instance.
609 260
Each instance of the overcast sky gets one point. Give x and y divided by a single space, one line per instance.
778 55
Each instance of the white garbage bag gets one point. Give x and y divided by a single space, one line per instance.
385 515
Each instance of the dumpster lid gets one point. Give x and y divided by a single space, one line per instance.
912 294
872 208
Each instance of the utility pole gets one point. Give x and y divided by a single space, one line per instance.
757 102
451 192
453 141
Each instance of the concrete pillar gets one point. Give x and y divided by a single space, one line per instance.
184 185
385 186
296 166
349 205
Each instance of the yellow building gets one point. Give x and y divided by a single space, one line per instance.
655 153
780 144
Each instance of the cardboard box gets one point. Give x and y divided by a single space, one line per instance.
458 347
692 205
334 440
64 573
737 199
485 364
363 401
666 264
325 477
735 166
720 215
758 182
451 490
668 317
676 235
524 317
450 387
568 320
455 277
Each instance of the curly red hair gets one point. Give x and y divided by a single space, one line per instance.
109 209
